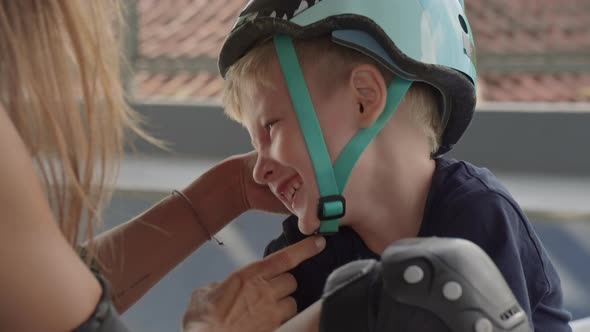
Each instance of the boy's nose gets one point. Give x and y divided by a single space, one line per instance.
263 170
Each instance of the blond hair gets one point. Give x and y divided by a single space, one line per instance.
253 70
60 84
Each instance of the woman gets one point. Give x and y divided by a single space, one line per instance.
59 162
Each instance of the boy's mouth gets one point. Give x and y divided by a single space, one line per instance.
287 190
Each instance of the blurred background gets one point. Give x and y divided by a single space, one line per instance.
531 128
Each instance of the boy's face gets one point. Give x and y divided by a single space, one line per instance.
283 160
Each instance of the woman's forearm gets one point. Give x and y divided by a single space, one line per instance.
134 256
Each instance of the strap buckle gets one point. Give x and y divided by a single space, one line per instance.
331 207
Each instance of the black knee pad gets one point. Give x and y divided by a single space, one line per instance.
429 284
105 317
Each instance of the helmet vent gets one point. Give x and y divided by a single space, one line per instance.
463 24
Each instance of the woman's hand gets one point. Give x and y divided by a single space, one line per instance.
256 196
255 298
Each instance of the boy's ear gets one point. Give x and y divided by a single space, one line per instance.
370 90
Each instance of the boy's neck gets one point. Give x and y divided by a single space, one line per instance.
390 204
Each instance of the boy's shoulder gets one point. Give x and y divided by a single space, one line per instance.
456 178
469 201
465 195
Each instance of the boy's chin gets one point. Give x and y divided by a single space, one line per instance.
308 226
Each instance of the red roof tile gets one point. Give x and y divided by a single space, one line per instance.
566 87
194 30
530 26
184 28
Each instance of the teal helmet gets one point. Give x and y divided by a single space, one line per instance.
427 41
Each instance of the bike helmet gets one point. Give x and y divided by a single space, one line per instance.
428 41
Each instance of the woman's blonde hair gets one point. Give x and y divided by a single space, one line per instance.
60 84
337 62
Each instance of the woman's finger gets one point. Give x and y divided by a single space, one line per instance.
287 308
288 258
258 293
283 285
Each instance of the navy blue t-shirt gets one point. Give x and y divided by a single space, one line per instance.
464 202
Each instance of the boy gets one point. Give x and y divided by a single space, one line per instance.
350 124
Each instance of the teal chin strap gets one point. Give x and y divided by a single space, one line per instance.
331 180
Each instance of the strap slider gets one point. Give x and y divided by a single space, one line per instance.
331 207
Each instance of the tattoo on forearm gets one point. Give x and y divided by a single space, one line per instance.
135 284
